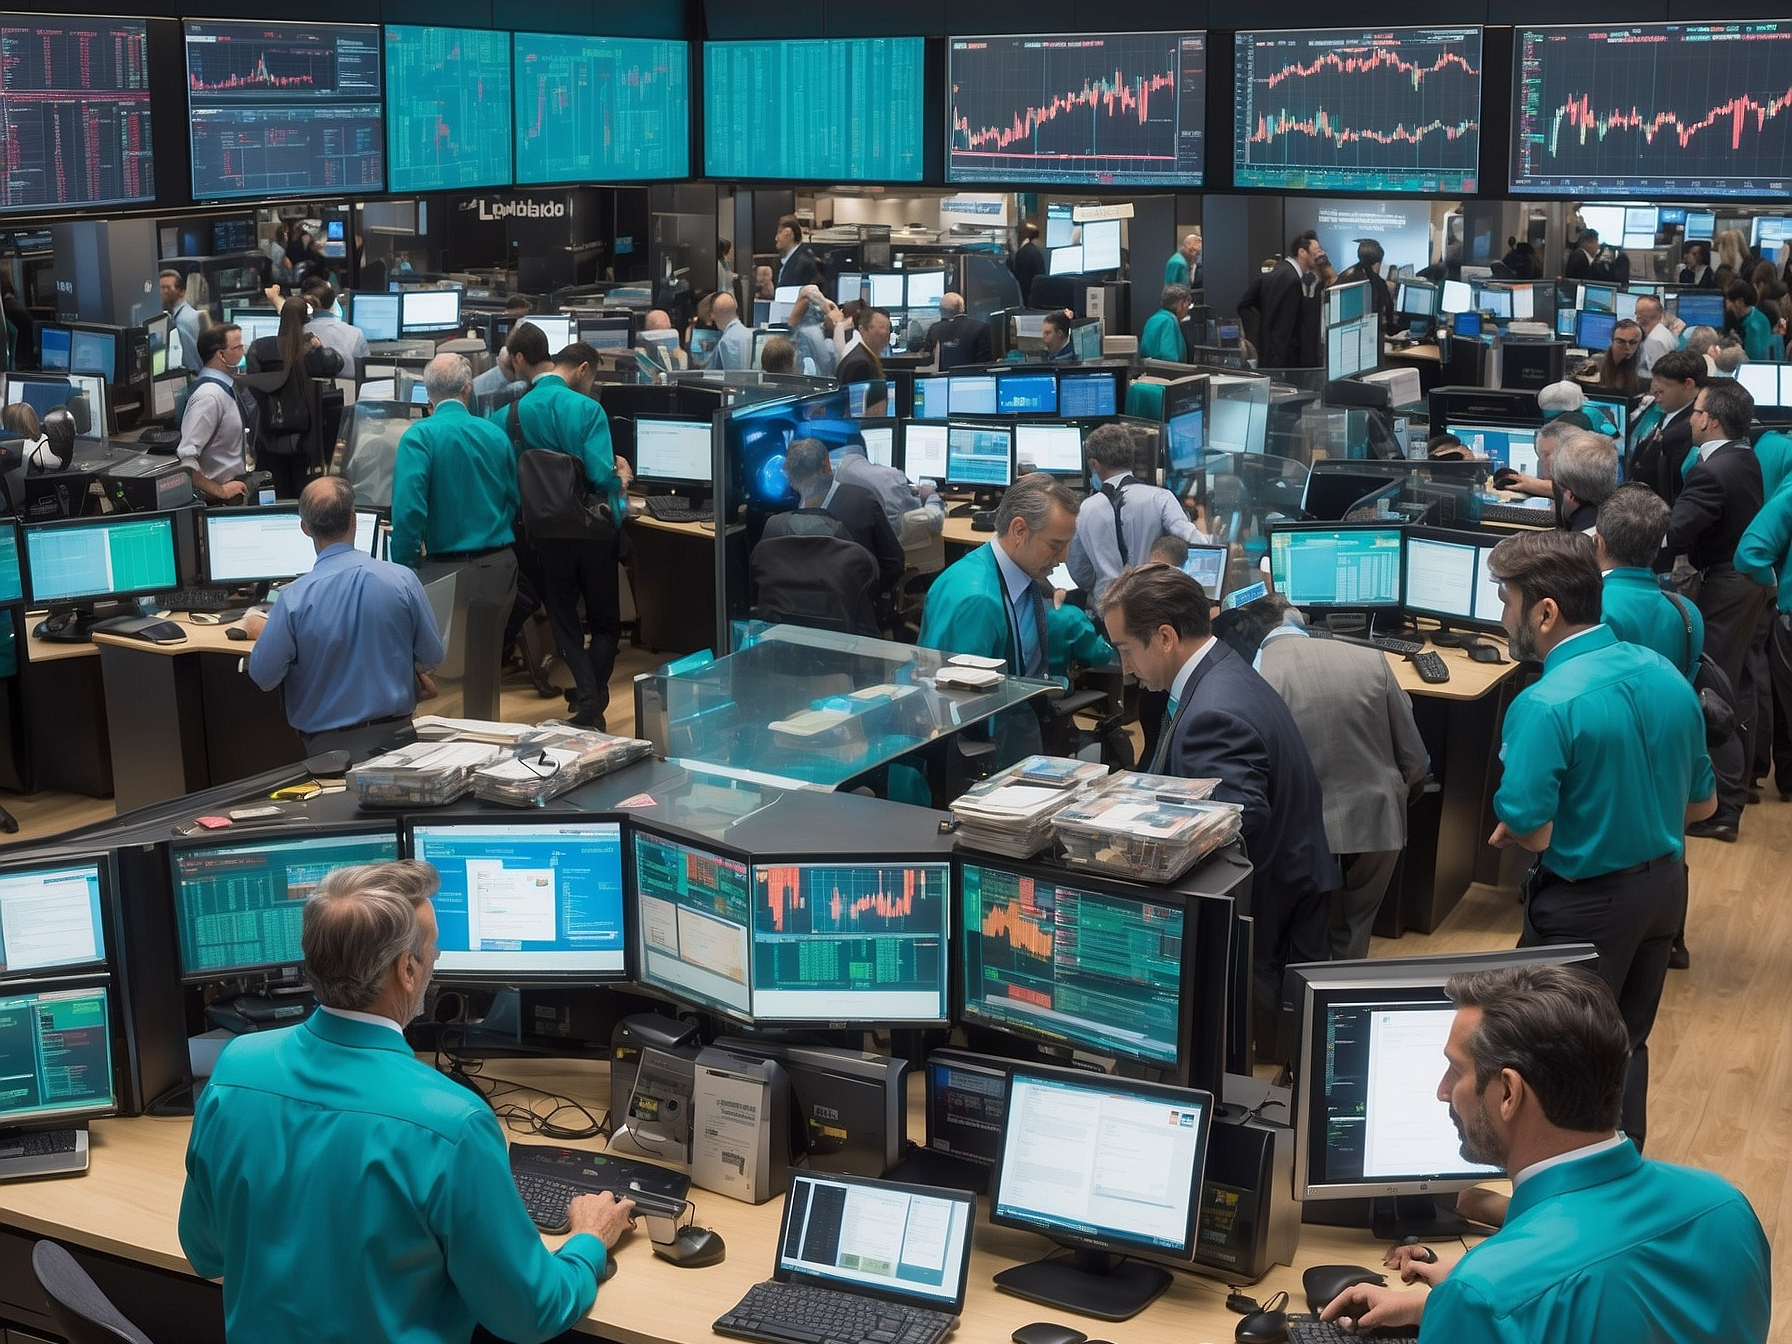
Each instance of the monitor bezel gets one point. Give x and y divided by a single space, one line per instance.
681 994
208 516
117 1051
884 858
688 482
1282 528
1111 888
991 425
1454 537
231 838
108 878
63 524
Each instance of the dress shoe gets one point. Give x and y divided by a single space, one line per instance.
1713 829
1679 959
1754 795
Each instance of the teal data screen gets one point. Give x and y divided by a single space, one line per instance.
447 108
601 109
863 124
1357 567
12 584
95 559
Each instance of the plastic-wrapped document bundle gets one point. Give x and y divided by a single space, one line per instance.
422 774
1146 827
1011 812
550 760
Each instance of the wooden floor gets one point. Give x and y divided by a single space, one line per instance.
1720 1091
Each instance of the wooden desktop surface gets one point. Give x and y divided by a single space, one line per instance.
200 639
128 1205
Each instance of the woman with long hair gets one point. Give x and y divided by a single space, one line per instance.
302 355
1732 251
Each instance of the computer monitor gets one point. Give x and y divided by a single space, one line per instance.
525 901
1445 577
559 331
58 1048
258 323
887 289
1026 394
1762 382
1458 297
925 289
966 1096
973 394
1767 232
1187 439
1641 224
156 332
1700 308
1101 246
605 333
880 443
1206 565
1336 565
12 573
1613 408
1085 339
860 942
1057 449
1414 299
1593 331
261 545
54 346
422 310
239 904
448 109
1346 303
1701 225
694 922
1467 326
1060 224
79 561
377 315
83 395
1066 260
1368 1049
1509 445
93 352
1076 962
1106 1166
672 452
904 1244
932 398
1626 304
50 917
1088 394
979 455
849 287
1497 304
1598 299
924 451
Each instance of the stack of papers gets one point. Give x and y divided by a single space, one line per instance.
1011 812
550 760
1149 827
421 774
435 728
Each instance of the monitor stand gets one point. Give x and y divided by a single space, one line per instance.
1106 1286
1391 1217
72 625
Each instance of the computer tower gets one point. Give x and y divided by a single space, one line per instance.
851 1107
1249 1221
632 1035
146 972
144 484
1532 364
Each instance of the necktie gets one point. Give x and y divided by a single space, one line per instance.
1162 753
1034 652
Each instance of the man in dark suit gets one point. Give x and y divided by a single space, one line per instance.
1286 299
1369 256
862 362
1722 495
1583 261
1029 261
1657 459
807 468
796 264
958 337
1226 722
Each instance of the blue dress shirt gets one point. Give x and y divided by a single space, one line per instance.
734 350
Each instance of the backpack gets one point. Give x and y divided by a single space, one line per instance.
1716 696
284 412
557 501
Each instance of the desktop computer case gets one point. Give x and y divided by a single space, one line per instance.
852 1107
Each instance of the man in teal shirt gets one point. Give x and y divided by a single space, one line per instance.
559 414
1751 324
454 494
344 1190
1162 337
1184 266
1604 764
1631 525
1598 1246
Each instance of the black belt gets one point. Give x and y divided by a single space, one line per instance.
461 557
1544 876
365 723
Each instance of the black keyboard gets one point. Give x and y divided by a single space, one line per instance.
676 509
1517 515
1431 667
1385 643
549 1178
196 599
1312 1330
802 1314
41 1144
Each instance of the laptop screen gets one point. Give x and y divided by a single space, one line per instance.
905 1243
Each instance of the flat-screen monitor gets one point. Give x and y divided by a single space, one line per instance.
979 455
1187 439
1085 339
50 917
694 922
1447 577
1413 299
1611 408
1337 565
239 904
1026 394
1353 347
1652 110
1206 565
12 572
973 394
672 452
285 109
74 99
1057 449
1369 1052
1700 225
1626 304
1066 260
1767 384
527 900
1512 446
904 1244
887 289
1641 224
848 287
1700 308
1101 246
857 942
57 1045
55 348
869 127
447 108
932 398
1496 303
422 310
1075 962
1082 109
88 559
1466 325
84 395
1598 299
926 289
966 1097
604 109
1383 110
255 545
559 331
1593 331
1346 303
1088 394
1060 225
94 353
607 333
1458 297
378 315
924 451
260 323
1100 1164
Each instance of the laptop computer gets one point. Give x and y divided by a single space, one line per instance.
861 1261
966 1094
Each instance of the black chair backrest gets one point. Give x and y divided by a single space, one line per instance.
80 1310
824 582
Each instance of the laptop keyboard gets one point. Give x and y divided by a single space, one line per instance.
45 1143
803 1314
1312 1330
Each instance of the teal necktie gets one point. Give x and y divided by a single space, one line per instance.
1162 754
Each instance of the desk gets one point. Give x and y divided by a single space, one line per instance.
128 1207
674 577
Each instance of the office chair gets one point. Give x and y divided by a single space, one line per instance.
79 1310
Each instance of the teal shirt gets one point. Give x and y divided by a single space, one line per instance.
1758 338
1610 1249
967 611
1176 269
1640 613
1774 453
1766 548
1162 338
453 486
346 1192
1609 744
556 417
1072 639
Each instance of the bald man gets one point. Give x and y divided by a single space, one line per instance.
958 337
1184 265
734 351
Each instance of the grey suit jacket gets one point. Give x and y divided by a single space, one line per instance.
1359 730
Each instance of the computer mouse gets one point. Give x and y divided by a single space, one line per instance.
609 1269
1483 652
1262 1327
1048 1332
1324 1282
236 632
694 1248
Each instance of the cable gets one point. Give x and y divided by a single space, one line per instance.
517 1118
